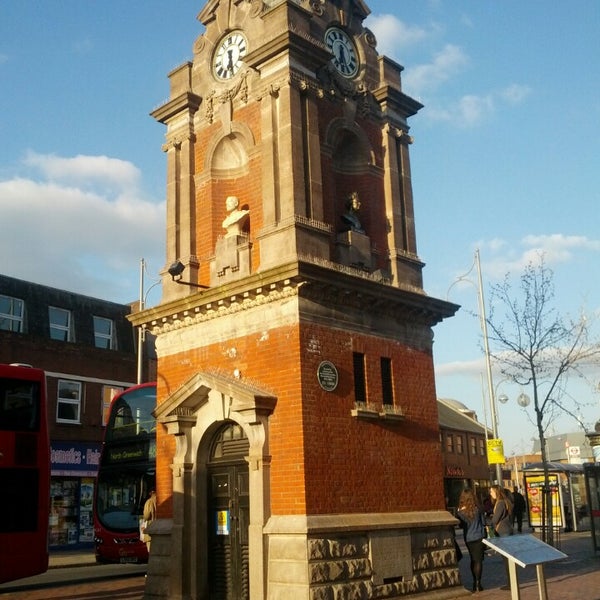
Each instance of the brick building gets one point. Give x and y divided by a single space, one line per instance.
464 451
298 449
86 347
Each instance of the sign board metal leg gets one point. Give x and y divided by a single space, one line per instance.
541 582
515 593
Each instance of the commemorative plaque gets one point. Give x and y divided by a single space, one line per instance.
327 376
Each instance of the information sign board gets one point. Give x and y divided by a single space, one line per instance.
525 549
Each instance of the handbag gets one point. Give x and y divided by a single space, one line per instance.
143 525
491 532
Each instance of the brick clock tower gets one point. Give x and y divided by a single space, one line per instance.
298 452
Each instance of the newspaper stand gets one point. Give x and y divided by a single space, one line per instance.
524 550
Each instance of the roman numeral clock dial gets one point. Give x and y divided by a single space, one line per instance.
230 54
345 57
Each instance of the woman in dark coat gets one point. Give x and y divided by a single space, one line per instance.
502 518
502 515
470 515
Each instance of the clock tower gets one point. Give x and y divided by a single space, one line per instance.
297 441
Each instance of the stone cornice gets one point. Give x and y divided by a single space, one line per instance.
393 99
325 289
186 101
212 302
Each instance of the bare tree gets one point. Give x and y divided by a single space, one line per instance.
536 347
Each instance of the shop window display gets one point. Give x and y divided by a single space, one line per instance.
71 519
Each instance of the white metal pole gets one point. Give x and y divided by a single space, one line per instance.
488 362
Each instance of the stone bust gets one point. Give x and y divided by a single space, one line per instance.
350 217
236 218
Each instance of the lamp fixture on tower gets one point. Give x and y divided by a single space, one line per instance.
175 271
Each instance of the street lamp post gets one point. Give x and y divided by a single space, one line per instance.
142 330
488 362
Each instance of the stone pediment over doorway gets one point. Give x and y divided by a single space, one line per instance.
226 396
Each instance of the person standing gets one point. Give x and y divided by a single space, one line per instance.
502 514
501 519
471 517
149 515
518 509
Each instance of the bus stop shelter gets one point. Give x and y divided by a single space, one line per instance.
568 494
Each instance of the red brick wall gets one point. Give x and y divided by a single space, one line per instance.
323 459
274 364
360 465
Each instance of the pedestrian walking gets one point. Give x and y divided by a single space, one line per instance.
518 509
472 520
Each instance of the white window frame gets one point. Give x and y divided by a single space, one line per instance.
71 396
14 320
108 393
66 329
109 337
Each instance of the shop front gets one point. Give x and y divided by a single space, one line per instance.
74 467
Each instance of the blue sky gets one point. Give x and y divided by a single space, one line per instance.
505 157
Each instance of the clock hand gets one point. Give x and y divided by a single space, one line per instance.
230 62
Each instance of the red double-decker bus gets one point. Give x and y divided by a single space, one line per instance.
126 475
24 472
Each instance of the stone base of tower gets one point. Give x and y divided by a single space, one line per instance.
363 556
326 557
162 581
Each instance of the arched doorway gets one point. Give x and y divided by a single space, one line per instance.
228 514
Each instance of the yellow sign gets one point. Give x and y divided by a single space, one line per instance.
495 452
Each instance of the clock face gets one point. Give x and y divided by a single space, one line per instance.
229 55
345 58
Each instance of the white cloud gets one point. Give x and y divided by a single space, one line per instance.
468 111
62 232
393 34
472 109
472 368
444 66
556 249
85 169
515 93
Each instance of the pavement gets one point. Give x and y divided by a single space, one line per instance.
576 577
71 558
75 574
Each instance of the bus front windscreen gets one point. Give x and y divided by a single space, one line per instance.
121 495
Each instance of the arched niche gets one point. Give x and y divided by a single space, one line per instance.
229 154
350 148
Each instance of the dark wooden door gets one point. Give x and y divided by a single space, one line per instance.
228 519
